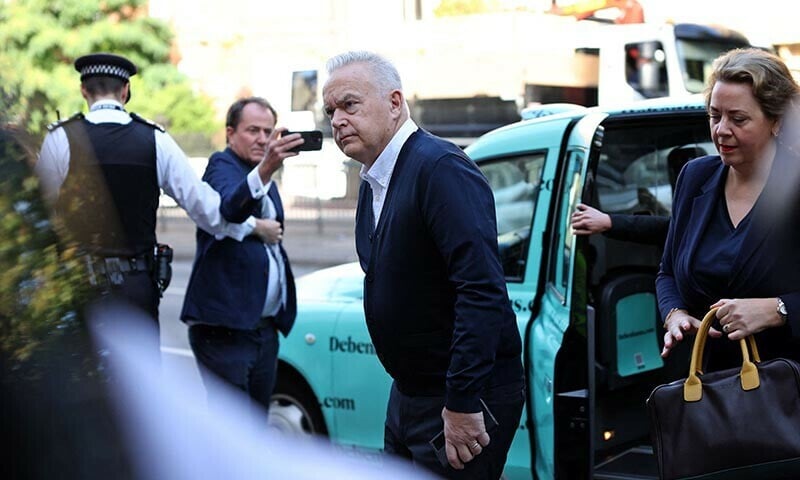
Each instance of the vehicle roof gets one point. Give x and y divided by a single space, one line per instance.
554 125
338 283
694 103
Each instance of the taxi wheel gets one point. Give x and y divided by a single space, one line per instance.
295 410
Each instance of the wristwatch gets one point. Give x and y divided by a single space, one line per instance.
782 310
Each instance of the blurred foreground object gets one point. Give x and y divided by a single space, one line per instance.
53 408
175 437
41 286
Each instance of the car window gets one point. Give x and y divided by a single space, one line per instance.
515 184
564 239
646 69
638 166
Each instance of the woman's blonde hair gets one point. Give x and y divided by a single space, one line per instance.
770 79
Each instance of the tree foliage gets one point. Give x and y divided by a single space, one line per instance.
40 40
42 281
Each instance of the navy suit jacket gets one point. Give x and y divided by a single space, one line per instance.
435 297
228 284
646 229
768 264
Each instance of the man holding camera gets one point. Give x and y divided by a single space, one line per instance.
240 294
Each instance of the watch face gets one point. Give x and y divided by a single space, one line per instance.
782 307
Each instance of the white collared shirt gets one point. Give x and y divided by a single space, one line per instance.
175 175
276 279
380 174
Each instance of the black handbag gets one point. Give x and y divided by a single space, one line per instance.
729 424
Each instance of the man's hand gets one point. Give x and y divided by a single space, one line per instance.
588 221
278 149
268 230
465 436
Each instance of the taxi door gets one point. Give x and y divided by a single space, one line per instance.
519 163
554 321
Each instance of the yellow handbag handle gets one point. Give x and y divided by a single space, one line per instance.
750 339
693 387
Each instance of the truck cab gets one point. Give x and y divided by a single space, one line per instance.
640 61
601 64
585 306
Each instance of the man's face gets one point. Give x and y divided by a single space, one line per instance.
249 139
363 118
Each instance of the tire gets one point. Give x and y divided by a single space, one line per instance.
294 409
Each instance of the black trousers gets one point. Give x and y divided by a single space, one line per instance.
136 299
139 289
412 421
246 359
140 292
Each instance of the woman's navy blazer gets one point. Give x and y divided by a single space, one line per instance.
768 263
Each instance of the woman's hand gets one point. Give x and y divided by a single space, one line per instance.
678 324
588 221
741 317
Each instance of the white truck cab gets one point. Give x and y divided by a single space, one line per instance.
639 61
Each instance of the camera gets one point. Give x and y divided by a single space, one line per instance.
312 140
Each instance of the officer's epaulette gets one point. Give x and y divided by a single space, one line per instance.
151 123
60 123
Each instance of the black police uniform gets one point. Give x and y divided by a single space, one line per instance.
109 199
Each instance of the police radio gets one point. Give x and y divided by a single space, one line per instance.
163 266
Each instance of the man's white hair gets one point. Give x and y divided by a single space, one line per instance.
385 73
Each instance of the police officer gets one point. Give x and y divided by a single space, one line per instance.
102 172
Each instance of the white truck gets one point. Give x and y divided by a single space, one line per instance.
585 63
639 61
